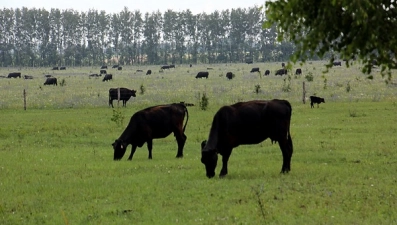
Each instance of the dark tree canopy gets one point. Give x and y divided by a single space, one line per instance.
365 29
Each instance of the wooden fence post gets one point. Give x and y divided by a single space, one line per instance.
118 96
304 93
24 99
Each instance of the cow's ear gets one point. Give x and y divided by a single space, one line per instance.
121 146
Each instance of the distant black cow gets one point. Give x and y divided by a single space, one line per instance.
229 75
338 63
247 123
267 72
119 68
139 70
104 67
298 71
107 77
190 65
202 75
165 67
115 66
153 123
281 72
51 81
102 72
249 61
172 66
148 72
283 65
14 75
55 68
125 95
255 69
62 68
48 75
317 100
28 77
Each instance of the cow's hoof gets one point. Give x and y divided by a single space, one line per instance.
179 156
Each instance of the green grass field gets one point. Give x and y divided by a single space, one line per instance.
56 158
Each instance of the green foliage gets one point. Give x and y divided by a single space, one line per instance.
142 89
309 77
204 101
257 89
286 84
325 83
117 117
345 27
348 87
62 83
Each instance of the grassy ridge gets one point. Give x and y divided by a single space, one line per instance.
56 162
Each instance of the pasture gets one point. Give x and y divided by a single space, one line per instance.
56 158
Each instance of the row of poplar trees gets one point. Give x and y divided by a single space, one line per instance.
37 37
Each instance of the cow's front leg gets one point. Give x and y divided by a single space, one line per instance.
225 158
133 148
149 147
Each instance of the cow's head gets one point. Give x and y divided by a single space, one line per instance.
119 149
209 157
133 93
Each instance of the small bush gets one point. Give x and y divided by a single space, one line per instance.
309 77
348 87
62 83
325 83
287 86
117 117
204 102
142 89
257 89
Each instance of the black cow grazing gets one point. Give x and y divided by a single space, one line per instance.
139 70
172 66
283 65
48 75
104 67
317 100
62 68
247 123
255 69
165 67
28 77
229 75
107 77
202 75
249 61
281 72
267 72
102 72
153 123
51 81
119 68
190 65
148 72
14 75
125 95
298 71
55 68
337 63
115 66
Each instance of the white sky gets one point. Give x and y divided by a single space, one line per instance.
115 6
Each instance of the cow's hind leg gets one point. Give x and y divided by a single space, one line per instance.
180 139
133 148
225 158
287 149
149 147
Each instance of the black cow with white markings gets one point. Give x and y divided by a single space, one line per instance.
202 75
125 95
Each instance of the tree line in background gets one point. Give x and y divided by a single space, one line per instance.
37 37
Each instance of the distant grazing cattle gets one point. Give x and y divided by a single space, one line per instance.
115 66
255 69
249 61
317 100
2 76
102 72
190 65
298 71
165 67
107 77
283 65
14 75
55 68
119 68
95 75
153 123
139 70
62 68
51 81
172 66
148 72
202 75
125 95
27 77
281 72
104 67
229 75
47 75
247 123
267 72
209 68
338 63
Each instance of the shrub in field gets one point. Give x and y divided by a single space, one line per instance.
348 87
257 88
203 102
142 89
117 117
309 77
325 83
287 86
62 83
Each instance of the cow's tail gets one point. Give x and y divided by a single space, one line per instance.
187 116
